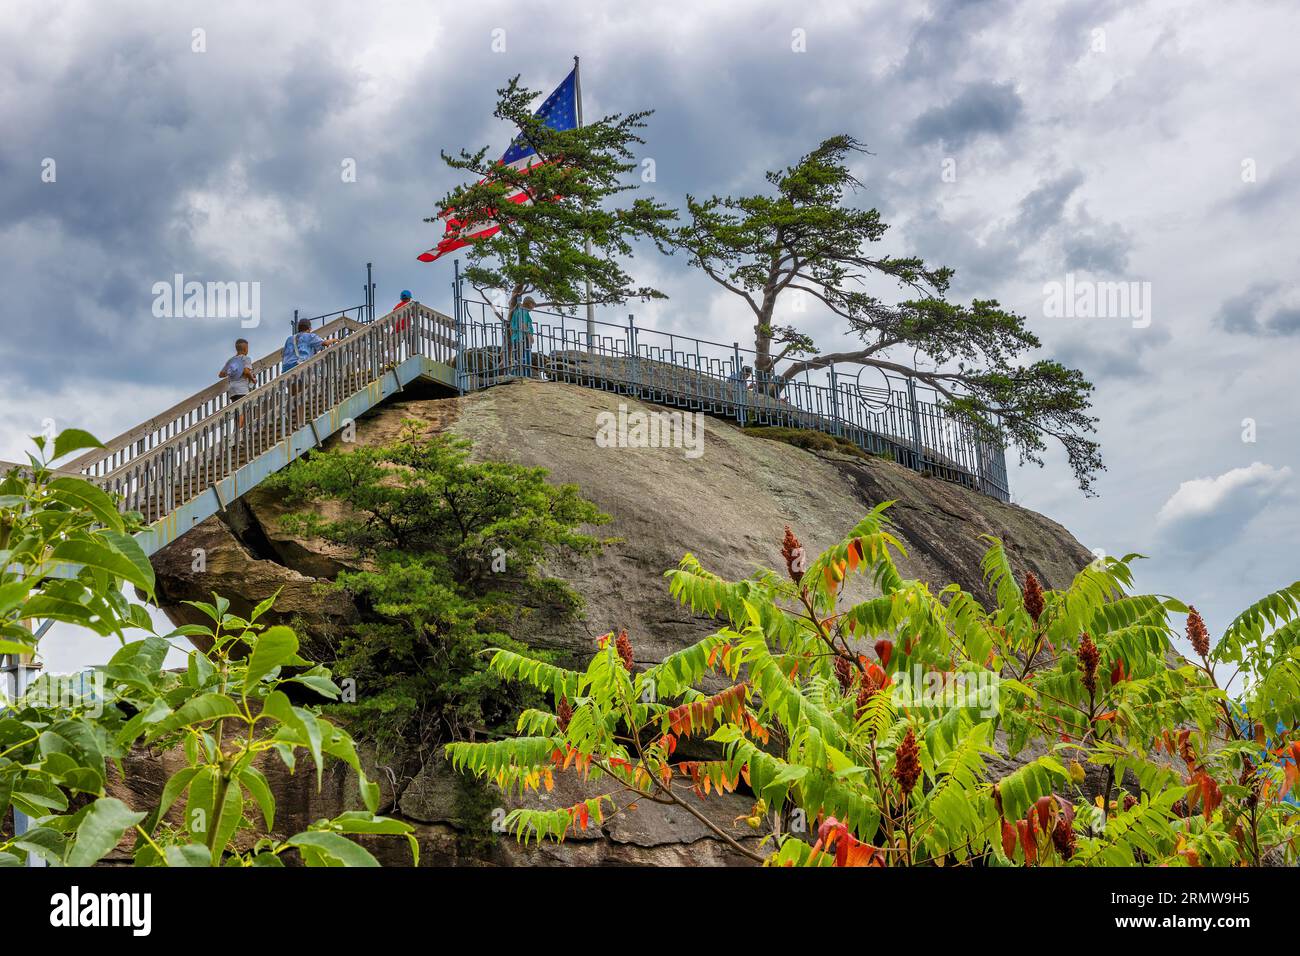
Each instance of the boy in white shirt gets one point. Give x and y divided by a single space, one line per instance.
238 373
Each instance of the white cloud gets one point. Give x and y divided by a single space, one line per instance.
246 231
1211 510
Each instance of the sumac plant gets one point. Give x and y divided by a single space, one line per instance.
65 553
867 732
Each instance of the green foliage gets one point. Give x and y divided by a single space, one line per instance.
453 549
228 713
572 235
802 237
868 734
807 439
62 525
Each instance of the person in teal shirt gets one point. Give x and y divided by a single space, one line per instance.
521 335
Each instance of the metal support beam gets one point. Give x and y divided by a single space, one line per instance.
167 530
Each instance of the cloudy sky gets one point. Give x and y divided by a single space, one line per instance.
1019 143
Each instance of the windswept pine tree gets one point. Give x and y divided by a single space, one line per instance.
803 238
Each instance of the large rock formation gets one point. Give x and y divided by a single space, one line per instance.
729 507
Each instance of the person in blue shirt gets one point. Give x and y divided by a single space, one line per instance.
300 346
521 335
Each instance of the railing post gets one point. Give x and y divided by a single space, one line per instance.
634 361
985 451
457 314
915 413
370 292
22 670
739 371
835 402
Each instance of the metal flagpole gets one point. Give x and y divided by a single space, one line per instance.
591 308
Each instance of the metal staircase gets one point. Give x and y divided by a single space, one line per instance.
195 458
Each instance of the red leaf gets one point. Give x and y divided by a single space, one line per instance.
1046 807
1025 829
1008 840
884 650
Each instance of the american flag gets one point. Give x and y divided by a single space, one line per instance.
559 112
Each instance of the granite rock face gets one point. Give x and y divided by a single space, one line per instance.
728 506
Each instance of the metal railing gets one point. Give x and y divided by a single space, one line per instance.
892 416
365 312
169 460
164 462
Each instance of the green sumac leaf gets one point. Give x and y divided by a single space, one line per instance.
265 605
257 786
13 592
275 647
82 495
73 439
321 848
229 814
1022 787
101 829
197 710
130 548
176 785
92 554
200 807
189 854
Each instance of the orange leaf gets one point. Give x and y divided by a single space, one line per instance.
1292 773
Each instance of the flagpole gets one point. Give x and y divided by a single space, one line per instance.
591 308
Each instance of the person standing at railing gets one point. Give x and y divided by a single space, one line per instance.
402 321
300 346
521 335
238 373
